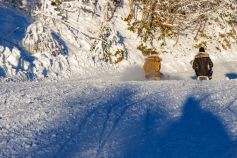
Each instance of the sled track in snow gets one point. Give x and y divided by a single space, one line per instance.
102 120
119 108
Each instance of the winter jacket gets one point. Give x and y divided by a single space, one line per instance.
152 67
202 64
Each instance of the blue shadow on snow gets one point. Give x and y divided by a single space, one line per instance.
197 134
231 75
119 126
61 42
13 27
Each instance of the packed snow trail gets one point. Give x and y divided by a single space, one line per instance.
96 118
221 71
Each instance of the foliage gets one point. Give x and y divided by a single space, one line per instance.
119 55
108 48
40 39
157 20
56 2
145 50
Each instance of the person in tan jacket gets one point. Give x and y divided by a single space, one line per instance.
152 66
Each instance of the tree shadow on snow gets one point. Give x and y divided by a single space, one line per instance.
197 134
61 42
13 27
231 76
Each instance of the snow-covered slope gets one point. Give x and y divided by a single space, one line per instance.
80 38
93 118
107 110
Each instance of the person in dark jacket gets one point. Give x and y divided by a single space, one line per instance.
202 64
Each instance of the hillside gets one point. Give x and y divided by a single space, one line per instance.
72 80
49 41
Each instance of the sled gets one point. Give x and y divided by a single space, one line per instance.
155 78
152 77
200 78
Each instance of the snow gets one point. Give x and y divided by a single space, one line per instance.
98 118
77 59
74 105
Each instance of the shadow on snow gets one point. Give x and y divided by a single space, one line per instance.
231 75
121 127
13 26
197 134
